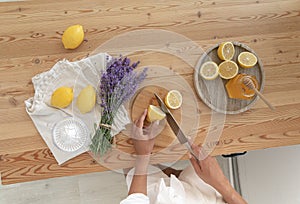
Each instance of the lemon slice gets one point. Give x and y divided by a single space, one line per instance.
228 69
62 97
73 37
155 113
247 59
173 99
226 51
209 70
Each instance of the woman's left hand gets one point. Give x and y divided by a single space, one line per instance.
143 144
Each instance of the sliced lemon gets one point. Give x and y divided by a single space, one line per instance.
73 37
247 59
226 51
228 69
155 113
62 97
209 70
173 99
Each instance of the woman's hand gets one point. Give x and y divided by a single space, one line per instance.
208 169
143 144
211 173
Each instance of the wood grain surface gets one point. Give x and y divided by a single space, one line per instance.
30 43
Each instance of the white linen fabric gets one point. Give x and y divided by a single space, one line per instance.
77 75
161 189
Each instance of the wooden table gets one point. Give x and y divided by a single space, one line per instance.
30 43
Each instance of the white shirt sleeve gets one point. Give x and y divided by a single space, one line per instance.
136 198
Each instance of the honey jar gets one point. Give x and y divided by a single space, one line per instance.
238 90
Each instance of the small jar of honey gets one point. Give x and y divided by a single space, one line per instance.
237 89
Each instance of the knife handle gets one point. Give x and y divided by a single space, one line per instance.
188 146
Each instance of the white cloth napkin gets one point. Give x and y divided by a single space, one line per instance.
77 75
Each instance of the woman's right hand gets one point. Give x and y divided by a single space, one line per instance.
211 173
208 169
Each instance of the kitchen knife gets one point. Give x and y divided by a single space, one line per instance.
175 127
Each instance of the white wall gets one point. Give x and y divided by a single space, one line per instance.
271 175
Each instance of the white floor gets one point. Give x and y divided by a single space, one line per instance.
100 188
95 188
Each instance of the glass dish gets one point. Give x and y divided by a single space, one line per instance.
70 134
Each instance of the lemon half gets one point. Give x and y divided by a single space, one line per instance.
173 99
247 59
155 113
226 51
209 70
228 69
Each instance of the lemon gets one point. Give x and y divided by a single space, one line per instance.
209 70
228 69
73 37
86 99
62 97
155 113
247 59
173 99
226 51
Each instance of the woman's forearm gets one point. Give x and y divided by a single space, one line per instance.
139 180
229 193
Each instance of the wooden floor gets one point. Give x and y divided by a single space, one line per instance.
30 43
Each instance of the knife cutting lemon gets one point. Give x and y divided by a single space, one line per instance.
173 100
155 113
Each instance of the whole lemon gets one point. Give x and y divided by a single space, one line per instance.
62 97
86 99
73 37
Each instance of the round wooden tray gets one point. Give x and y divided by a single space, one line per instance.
213 92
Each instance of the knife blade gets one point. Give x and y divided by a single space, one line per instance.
175 127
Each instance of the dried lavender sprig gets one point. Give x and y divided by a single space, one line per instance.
118 84
126 88
117 69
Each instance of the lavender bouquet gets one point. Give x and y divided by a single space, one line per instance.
118 84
